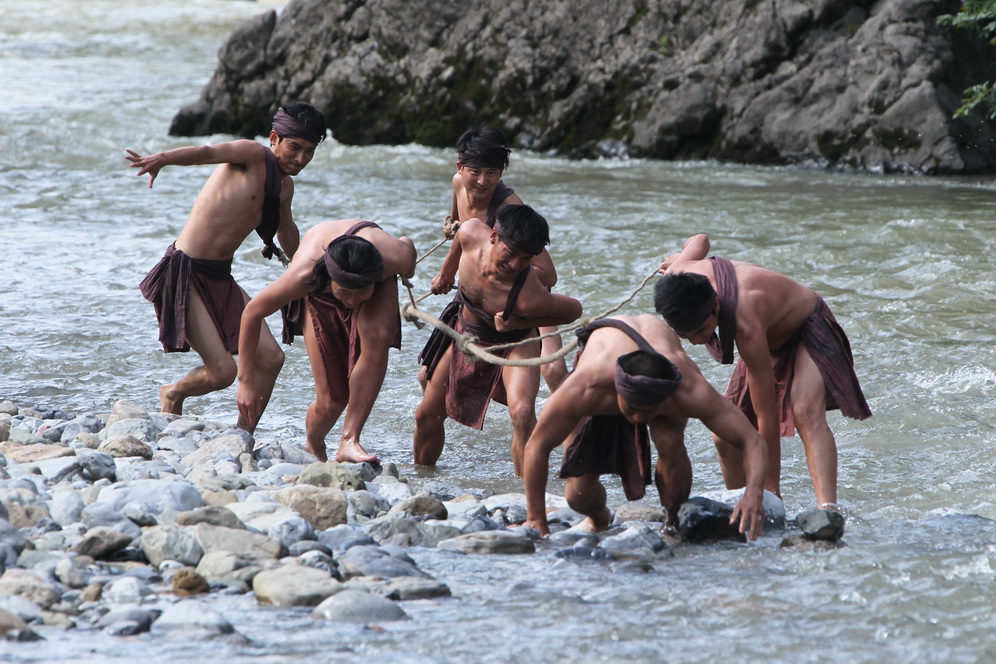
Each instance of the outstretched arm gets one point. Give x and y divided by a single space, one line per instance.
696 248
555 424
729 423
232 152
289 286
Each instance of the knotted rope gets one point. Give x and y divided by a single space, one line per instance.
469 344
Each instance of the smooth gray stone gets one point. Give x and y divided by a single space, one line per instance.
821 524
374 561
192 615
491 541
358 606
294 585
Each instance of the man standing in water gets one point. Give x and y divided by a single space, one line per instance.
795 360
630 379
478 192
198 303
347 270
500 300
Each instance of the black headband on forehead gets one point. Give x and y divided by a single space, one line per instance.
532 248
642 390
368 276
287 126
689 318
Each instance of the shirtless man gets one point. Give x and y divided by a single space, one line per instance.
500 299
198 303
348 271
631 375
795 360
478 192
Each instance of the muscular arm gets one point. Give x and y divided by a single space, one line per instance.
233 152
725 420
288 234
752 344
289 286
549 309
555 424
696 248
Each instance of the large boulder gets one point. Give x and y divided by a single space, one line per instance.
863 84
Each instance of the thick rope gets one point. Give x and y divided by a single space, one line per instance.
468 343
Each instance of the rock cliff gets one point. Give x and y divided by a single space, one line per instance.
868 85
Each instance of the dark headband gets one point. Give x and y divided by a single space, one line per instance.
368 276
531 248
287 126
496 157
640 390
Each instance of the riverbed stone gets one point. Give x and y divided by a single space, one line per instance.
294 585
125 446
30 586
186 582
123 409
219 538
192 616
126 590
33 452
231 566
702 519
126 621
171 542
96 465
637 540
330 474
105 514
490 541
821 524
402 588
213 515
358 606
322 507
171 495
361 560
101 542
421 506
231 444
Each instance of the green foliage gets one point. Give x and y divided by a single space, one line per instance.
663 46
978 16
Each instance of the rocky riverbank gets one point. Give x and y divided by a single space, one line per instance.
863 85
122 522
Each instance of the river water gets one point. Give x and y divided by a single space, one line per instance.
906 263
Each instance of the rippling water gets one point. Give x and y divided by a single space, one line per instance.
907 265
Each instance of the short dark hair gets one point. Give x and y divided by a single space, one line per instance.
684 299
351 252
524 226
312 119
486 147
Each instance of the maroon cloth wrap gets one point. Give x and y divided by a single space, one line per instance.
270 220
338 339
168 284
722 342
533 249
368 276
292 313
473 384
502 192
644 391
287 126
611 444
831 351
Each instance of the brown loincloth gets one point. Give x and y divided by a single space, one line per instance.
338 339
831 351
611 444
167 286
473 384
292 313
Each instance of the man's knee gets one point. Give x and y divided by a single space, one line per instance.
222 371
809 415
272 361
430 414
523 416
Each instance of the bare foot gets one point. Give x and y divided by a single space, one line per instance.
593 525
169 404
350 450
319 453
